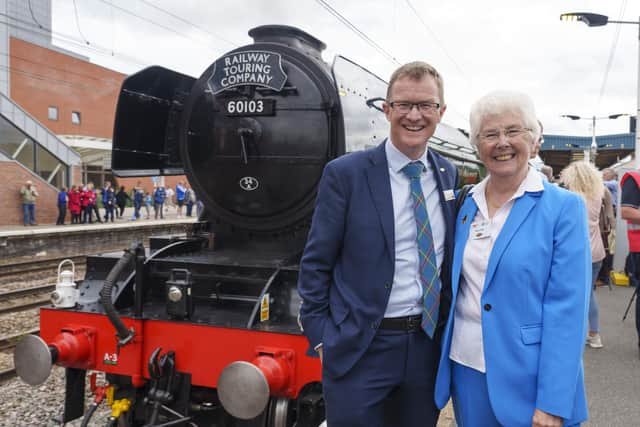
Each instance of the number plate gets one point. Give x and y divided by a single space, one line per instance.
250 107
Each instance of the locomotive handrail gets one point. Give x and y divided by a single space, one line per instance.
371 103
214 277
265 289
146 153
127 282
146 96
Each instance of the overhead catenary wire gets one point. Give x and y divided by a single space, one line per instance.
612 54
443 48
179 18
33 16
165 27
42 77
86 45
358 32
372 43
66 38
435 37
48 66
75 9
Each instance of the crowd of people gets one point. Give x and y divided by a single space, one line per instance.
82 202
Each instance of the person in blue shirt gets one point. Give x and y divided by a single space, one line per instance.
103 197
190 197
109 203
138 195
181 191
62 205
158 201
147 204
610 179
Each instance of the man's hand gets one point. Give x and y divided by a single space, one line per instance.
543 419
320 353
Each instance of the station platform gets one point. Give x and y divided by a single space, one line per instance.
20 243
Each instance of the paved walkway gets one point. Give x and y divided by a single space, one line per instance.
612 373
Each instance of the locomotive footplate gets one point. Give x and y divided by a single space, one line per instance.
261 296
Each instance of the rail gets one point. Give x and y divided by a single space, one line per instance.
34 266
25 292
8 342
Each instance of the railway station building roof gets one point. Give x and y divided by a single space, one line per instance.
559 150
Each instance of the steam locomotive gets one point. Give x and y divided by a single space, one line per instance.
202 330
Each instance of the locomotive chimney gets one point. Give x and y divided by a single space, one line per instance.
289 36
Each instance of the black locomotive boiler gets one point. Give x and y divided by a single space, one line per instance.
202 330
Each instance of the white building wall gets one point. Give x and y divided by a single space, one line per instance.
28 20
31 20
4 48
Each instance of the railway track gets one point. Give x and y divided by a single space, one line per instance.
34 290
8 342
36 266
25 306
26 292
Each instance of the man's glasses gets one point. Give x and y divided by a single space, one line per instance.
493 135
404 107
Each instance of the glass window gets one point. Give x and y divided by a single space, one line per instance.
16 145
75 117
12 141
25 155
48 166
53 113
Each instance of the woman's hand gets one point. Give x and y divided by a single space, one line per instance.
543 419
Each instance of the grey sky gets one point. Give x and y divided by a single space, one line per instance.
478 46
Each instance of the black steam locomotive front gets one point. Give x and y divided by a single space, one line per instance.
260 124
252 134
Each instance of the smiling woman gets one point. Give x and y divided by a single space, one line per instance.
503 129
515 332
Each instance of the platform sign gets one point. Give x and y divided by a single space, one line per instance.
249 67
264 308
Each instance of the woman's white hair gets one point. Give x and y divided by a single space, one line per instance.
502 102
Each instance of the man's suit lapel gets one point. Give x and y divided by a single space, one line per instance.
380 188
518 214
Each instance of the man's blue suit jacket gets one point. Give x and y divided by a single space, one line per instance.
534 308
346 271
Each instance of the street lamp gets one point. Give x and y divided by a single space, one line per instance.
594 145
595 20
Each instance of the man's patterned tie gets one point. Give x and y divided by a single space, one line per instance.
428 268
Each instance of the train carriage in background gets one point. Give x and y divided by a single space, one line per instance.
202 330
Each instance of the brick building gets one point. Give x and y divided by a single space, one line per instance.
56 114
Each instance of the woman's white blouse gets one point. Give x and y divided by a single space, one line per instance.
466 341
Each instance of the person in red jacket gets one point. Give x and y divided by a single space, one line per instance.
74 204
86 197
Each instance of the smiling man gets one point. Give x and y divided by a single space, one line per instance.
374 276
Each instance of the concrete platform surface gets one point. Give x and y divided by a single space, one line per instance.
125 221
